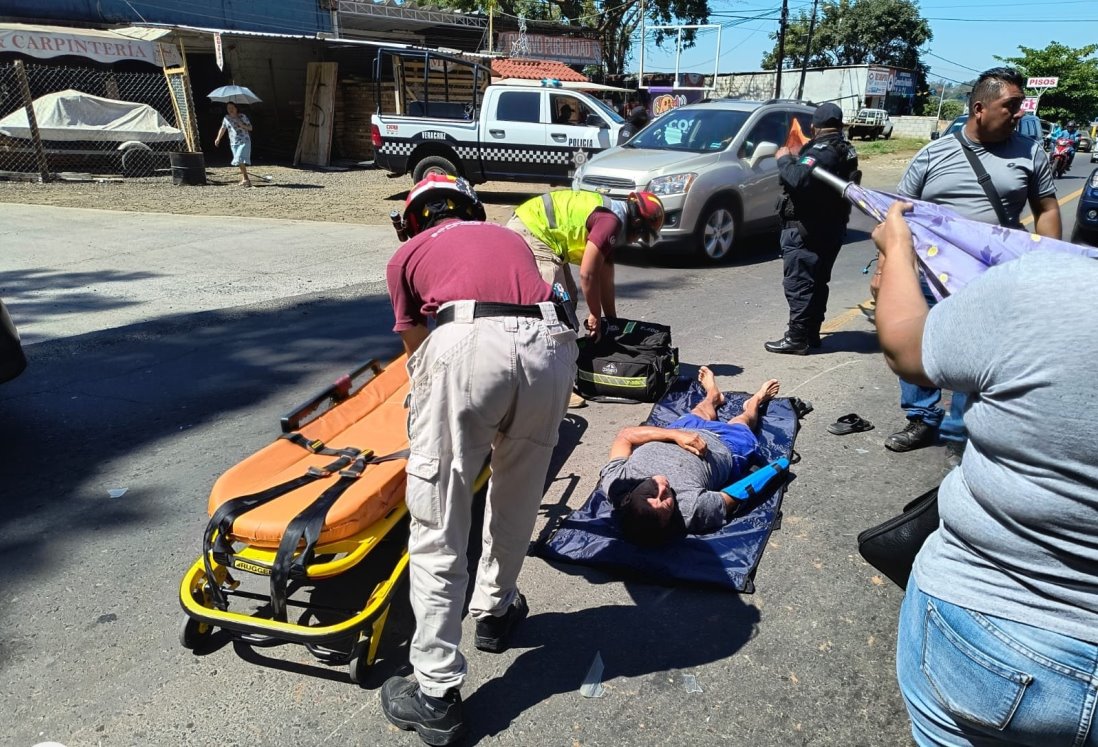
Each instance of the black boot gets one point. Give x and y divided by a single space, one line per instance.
437 721
492 631
788 345
915 435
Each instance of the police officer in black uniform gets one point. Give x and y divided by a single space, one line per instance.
814 217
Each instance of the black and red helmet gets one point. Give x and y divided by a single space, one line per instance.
440 196
645 216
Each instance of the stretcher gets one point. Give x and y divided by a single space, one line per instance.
727 558
306 509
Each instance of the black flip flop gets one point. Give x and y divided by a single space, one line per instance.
851 423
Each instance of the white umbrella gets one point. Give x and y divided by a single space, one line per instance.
233 94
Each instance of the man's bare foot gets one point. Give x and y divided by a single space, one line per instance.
709 383
767 392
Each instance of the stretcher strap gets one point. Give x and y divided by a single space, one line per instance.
218 530
307 526
317 446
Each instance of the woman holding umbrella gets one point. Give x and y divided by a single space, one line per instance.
239 129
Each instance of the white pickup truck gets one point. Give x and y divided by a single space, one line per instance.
535 132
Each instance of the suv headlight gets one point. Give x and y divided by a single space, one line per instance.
674 184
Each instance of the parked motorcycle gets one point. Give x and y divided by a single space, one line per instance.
1061 154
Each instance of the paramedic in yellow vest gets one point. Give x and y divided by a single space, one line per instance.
568 227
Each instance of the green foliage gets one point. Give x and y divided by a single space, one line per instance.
856 32
859 32
613 26
1077 95
951 108
904 146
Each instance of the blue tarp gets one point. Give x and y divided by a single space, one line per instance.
727 558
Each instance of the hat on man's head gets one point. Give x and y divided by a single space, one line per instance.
621 488
827 115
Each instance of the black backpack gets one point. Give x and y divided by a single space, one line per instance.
632 361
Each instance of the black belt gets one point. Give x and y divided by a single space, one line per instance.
484 309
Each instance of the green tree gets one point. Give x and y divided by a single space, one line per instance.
859 32
614 25
1076 97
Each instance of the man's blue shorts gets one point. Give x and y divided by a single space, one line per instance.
736 436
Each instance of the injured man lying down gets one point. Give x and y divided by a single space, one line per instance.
666 482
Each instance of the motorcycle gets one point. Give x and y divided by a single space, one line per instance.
1061 154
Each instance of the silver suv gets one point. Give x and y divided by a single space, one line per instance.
711 163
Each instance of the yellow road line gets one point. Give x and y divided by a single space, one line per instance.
843 319
1060 202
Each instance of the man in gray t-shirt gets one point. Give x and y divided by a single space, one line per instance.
941 173
665 482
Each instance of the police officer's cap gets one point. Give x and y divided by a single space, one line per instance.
827 115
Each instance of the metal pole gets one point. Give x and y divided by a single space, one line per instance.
491 9
32 122
640 73
941 98
807 49
781 50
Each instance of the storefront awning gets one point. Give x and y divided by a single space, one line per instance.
102 46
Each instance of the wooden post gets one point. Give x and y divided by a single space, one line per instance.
32 121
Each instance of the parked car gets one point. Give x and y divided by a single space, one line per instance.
711 163
526 130
81 131
1086 217
12 358
870 124
1029 125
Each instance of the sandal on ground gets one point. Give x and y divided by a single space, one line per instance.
851 423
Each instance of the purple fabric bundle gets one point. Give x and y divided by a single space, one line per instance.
952 251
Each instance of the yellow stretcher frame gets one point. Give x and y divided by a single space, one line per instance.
201 617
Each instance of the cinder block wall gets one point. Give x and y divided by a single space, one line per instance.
918 127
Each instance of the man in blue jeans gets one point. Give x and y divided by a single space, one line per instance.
1017 170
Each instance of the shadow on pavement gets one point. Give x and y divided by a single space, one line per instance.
22 291
124 400
666 631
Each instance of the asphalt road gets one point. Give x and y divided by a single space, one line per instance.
162 351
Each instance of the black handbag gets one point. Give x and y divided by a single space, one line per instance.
632 361
891 547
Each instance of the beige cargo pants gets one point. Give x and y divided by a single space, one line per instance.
493 387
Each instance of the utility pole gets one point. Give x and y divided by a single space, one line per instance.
781 49
807 49
491 13
640 73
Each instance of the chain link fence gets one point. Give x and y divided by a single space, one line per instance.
56 119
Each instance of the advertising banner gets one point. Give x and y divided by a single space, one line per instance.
101 46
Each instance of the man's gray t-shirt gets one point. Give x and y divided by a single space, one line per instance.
1018 167
1019 532
690 476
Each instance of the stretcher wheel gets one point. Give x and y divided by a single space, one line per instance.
359 662
193 633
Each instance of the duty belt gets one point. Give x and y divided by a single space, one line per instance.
486 309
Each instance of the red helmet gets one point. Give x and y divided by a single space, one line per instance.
645 215
439 196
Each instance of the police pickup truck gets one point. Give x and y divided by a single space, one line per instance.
536 131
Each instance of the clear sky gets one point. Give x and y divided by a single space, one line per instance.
967 34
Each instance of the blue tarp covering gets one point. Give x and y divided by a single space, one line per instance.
727 558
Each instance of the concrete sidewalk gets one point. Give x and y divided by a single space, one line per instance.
106 269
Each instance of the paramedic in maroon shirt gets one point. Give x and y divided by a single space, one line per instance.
491 380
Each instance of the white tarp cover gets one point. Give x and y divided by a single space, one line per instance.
94 44
71 116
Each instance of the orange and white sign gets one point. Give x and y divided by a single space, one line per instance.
1029 104
103 46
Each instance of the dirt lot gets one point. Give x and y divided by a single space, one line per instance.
354 196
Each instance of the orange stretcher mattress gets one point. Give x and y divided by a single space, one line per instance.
372 418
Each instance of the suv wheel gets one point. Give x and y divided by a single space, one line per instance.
717 232
434 165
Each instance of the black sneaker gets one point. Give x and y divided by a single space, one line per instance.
787 345
492 631
915 435
437 721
